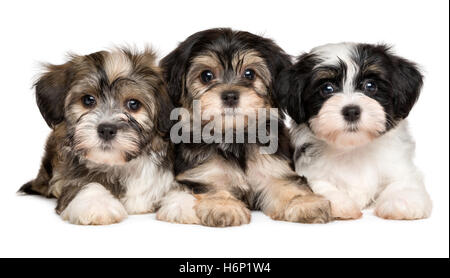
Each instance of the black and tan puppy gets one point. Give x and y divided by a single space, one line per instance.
223 75
108 154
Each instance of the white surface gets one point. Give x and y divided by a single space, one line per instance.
42 31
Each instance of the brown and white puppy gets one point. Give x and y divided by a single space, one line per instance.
230 75
108 154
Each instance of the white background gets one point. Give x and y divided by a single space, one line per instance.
43 31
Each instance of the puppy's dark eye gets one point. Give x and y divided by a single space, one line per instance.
207 76
88 101
370 86
249 74
133 104
327 88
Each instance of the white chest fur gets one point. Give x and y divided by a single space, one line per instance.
146 184
361 173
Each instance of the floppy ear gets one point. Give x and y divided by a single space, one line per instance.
287 97
290 85
164 123
174 67
407 82
277 60
51 91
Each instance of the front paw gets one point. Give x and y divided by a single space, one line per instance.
221 212
308 209
344 208
404 205
94 205
178 207
138 204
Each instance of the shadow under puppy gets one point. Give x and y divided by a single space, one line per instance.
231 75
108 154
349 102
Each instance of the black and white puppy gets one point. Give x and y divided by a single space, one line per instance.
108 154
349 102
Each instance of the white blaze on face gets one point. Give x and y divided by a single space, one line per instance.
333 55
329 124
116 65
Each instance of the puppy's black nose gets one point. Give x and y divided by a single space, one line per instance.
107 131
351 113
230 98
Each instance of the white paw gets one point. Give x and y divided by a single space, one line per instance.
138 204
178 207
343 207
94 205
405 204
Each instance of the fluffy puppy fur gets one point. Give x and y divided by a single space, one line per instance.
349 102
229 179
108 154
